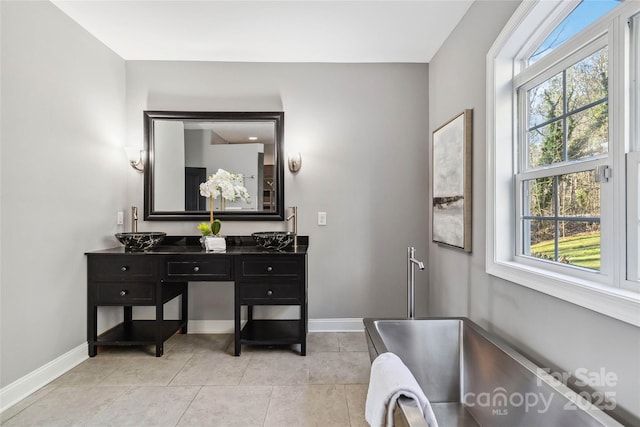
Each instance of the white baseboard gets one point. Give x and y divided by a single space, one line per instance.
23 387
336 325
315 325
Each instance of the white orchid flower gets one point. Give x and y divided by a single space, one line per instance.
228 185
204 189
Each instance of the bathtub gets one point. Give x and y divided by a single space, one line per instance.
473 378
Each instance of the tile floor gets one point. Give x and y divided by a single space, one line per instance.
198 382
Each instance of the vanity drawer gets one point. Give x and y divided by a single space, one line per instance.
124 293
282 267
208 267
121 268
270 293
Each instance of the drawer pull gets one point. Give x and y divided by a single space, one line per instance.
269 268
124 268
269 292
123 292
196 268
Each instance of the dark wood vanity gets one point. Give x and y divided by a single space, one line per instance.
154 277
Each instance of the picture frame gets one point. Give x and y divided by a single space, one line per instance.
451 167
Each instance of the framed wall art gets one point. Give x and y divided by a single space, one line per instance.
451 181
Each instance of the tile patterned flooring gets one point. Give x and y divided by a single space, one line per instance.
198 382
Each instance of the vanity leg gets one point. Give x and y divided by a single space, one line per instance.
185 307
159 319
304 324
92 334
128 313
237 309
303 343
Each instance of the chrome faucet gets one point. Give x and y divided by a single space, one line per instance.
294 217
134 219
411 281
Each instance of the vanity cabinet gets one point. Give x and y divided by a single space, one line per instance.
129 280
152 278
271 280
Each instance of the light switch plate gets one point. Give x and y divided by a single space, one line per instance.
120 218
322 218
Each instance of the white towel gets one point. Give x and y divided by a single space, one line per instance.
390 379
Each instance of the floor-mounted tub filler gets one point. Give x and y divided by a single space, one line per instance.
472 378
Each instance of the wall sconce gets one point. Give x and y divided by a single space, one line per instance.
295 162
135 156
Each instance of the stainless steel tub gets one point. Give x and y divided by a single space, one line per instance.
473 378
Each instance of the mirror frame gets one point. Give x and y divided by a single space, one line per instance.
150 214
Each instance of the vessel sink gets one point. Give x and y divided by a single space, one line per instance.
140 241
273 240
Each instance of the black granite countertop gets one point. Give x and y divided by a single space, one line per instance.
236 245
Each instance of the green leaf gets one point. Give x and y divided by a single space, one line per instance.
216 225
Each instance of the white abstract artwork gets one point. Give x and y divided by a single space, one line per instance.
451 180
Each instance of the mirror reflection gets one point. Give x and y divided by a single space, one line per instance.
186 148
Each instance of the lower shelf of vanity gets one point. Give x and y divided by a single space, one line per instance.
139 332
273 332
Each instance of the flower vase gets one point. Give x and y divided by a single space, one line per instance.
214 243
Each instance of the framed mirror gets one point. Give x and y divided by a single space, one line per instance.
184 148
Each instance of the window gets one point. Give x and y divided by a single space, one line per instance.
562 153
565 139
580 18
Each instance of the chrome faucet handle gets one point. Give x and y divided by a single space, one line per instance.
294 217
134 219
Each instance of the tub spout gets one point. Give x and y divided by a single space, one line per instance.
420 264
411 281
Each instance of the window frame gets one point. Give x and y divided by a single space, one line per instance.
524 81
633 217
633 160
608 292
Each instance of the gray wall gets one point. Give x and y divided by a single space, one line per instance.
236 158
556 334
169 156
364 133
62 176
362 130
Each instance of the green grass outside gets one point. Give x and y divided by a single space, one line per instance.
582 251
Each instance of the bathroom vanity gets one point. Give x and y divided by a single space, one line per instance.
152 278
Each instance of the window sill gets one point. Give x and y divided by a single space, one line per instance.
621 304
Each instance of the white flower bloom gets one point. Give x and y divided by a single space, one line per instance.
227 190
228 185
204 189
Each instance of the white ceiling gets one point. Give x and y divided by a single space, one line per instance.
237 132
270 31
